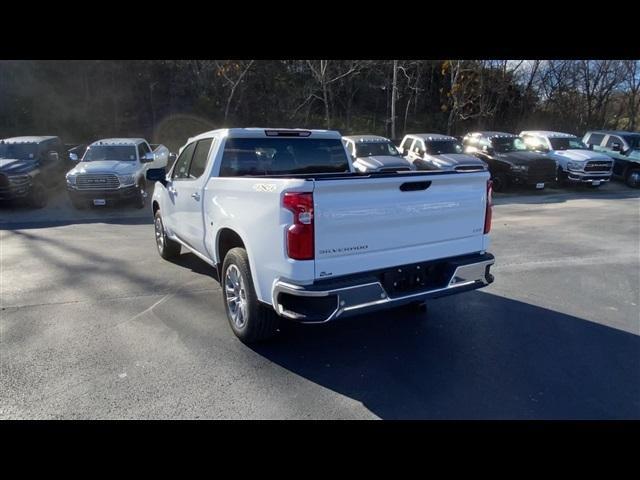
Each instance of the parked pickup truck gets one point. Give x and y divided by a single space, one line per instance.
575 162
295 232
510 160
29 167
432 151
371 153
113 170
623 148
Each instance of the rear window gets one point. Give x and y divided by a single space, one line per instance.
282 156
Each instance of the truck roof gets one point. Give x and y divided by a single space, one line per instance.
432 136
491 134
547 134
615 132
260 132
119 141
30 139
366 138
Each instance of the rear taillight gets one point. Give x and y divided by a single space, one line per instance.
300 233
488 212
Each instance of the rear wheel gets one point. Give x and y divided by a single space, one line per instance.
250 320
633 178
38 196
167 248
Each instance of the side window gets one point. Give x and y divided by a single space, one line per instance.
418 147
595 139
142 150
611 140
181 168
406 145
200 157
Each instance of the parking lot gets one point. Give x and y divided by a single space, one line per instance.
94 324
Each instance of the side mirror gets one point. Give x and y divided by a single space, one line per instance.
148 157
172 158
74 157
590 146
53 156
157 175
616 147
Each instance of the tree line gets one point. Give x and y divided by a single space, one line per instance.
169 100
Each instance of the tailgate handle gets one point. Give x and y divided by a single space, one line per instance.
414 186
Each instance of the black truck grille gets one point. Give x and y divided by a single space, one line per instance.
101 181
600 166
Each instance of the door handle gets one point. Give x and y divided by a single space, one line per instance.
195 195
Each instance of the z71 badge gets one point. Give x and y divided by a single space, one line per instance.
264 187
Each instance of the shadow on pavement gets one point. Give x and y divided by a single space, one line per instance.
59 212
552 194
195 264
475 356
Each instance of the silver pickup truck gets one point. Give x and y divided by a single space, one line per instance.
371 153
113 170
432 151
575 162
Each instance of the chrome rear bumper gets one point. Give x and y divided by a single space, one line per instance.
314 304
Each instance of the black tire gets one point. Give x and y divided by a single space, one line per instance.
167 248
141 197
561 180
251 321
38 196
632 179
500 182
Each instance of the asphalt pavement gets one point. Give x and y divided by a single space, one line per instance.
94 324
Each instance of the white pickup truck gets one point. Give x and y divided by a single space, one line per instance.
113 170
575 162
295 232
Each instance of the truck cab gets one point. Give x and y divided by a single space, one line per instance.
432 151
372 153
29 167
576 163
113 170
623 147
510 161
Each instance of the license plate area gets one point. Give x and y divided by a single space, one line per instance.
595 183
540 185
99 201
414 278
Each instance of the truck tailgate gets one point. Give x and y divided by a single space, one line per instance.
364 224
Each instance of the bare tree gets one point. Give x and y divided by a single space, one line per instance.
324 77
232 71
631 83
